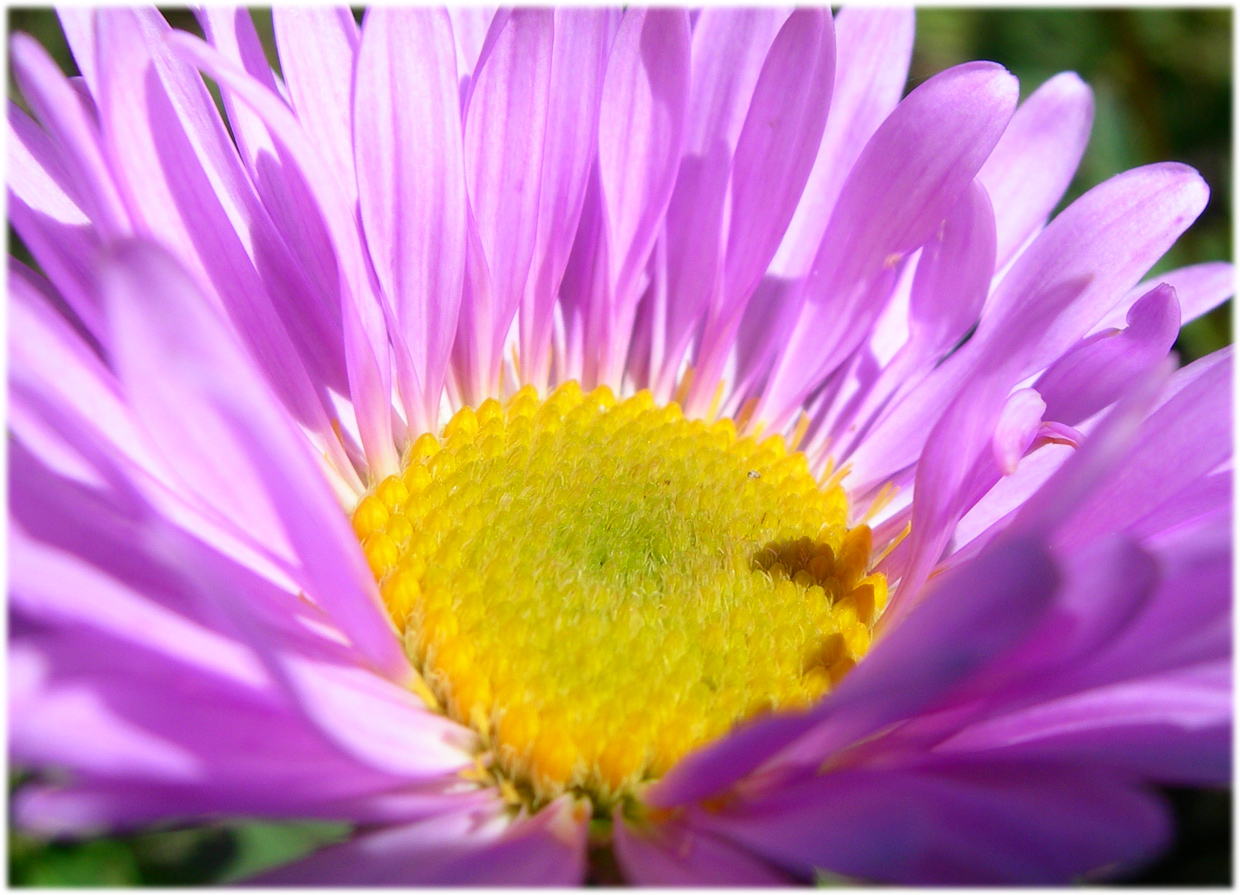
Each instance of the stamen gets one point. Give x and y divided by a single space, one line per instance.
598 587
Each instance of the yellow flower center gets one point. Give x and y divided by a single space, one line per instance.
599 587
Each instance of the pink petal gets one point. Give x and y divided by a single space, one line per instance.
60 109
1193 427
78 24
184 185
315 317
1200 289
364 329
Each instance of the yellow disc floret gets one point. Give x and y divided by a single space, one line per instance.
597 587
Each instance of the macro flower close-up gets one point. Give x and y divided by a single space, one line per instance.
583 445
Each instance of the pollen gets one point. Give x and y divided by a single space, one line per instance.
598 586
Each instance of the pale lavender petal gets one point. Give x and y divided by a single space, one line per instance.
152 738
411 182
945 484
641 131
317 48
61 111
48 359
727 54
932 145
953 275
674 854
505 129
475 845
948 291
49 220
233 446
315 318
78 24
953 823
1018 423
184 185
1058 288
1094 373
874 47
1033 163
364 329
470 26
578 62
774 153
1200 288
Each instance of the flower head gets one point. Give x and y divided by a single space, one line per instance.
555 435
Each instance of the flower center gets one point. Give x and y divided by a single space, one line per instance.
599 587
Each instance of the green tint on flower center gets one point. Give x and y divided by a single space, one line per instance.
599 587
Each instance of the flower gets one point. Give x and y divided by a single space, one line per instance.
245 339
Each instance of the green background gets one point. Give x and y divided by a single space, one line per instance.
1163 91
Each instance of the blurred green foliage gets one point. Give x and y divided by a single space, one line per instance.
1163 91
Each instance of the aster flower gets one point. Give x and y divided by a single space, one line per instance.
573 440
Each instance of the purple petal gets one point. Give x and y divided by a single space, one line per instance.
234 447
1174 728
874 47
474 845
364 329
948 291
1094 373
72 127
184 185
1193 427
1033 163
411 182
672 854
315 317
470 27
934 142
78 24
952 823
49 220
